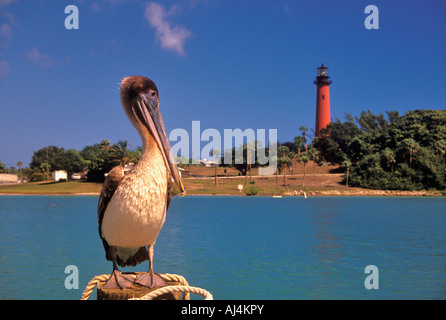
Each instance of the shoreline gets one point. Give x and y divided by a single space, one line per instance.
49 194
294 185
316 193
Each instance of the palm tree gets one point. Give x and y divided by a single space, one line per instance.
347 164
292 155
120 153
216 153
304 129
390 158
304 159
314 155
20 165
412 147
440 147
284 161
298 141
275 162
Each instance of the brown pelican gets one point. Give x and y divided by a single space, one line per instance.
132 207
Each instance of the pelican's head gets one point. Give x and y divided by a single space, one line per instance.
140 100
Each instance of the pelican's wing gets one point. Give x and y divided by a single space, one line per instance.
111 183
169 190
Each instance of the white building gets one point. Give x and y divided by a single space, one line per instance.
207 163
76 176
8 178
58 174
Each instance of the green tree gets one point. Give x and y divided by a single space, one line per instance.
96 159
314 155
282 151
304 129
304 159
292 155
440 147
393 116
405 154
389 157
41 159
283 161
298 142
333 143
120 154
359 147
346 164
216 153
239 156
20 166
69 160
282 164
370 122
412 147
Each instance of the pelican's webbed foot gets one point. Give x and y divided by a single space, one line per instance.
118 280
150 279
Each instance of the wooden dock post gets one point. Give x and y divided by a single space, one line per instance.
135 291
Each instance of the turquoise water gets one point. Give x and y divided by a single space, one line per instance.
239 247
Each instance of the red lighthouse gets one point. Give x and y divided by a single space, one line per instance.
322 99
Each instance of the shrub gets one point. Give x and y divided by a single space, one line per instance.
38 176
251 190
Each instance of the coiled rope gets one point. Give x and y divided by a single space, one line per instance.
183 287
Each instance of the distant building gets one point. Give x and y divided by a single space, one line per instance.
58 174
8 178
207 163
128 167
76 176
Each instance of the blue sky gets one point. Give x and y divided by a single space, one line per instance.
228 64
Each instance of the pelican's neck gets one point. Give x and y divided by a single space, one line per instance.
151 153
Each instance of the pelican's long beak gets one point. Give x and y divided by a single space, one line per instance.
148 107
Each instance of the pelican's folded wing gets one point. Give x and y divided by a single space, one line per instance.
111 183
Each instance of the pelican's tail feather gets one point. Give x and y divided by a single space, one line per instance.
129 256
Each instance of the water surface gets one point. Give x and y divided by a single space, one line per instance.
239 247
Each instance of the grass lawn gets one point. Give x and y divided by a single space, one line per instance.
70 187
226 185
318 184
316 179
200 180
264 185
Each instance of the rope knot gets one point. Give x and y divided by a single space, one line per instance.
183 287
